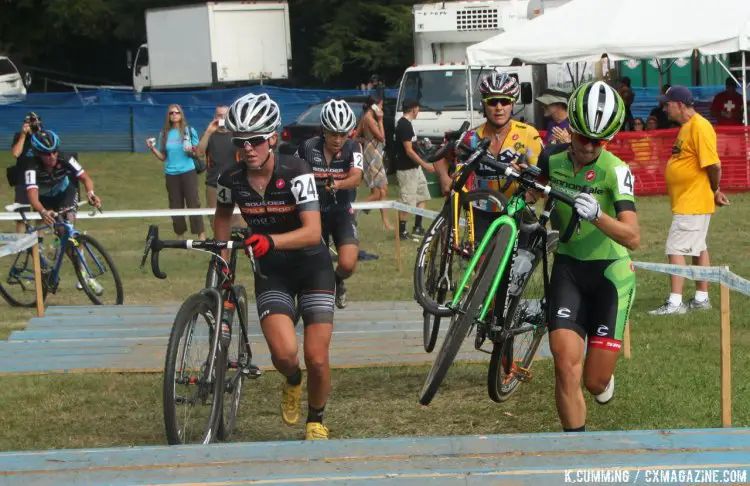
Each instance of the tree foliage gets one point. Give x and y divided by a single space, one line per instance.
372 36
334 42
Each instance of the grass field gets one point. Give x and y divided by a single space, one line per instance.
671 382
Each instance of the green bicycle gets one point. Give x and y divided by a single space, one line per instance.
500 267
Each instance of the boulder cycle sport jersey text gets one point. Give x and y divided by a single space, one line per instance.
521 139
348 158
335 209
290 191
592 286
52 184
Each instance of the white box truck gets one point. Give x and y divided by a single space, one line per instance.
214 44
438 79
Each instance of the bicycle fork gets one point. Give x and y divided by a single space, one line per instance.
214 294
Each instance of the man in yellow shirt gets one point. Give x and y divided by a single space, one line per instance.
692 175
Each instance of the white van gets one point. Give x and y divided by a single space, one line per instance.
12 85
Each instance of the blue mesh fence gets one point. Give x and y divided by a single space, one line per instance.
120 121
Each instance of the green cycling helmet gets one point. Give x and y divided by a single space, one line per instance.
596 110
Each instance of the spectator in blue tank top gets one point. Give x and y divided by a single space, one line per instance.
176 147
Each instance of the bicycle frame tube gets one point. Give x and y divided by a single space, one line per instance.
500 271
455 217
232 294
515 206
67 233
474 260
216 296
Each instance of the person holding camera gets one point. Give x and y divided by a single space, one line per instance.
22 152
216 145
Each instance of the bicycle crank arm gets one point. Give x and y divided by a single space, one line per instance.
506 333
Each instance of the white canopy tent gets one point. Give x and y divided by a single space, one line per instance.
584 30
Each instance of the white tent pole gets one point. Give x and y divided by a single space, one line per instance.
744 83
470 101
726 69
744 89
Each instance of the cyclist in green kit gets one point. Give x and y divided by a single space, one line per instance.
593 282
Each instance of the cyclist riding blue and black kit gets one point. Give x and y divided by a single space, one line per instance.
57 185
305 273
592 281
336 210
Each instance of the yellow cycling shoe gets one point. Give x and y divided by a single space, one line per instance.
291 396
316 431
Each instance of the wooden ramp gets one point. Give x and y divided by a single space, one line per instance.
533 459
79 339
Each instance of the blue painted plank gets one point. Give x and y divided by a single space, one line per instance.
137 353
173 307
124 331
525 470
56 310
167 319
123 363
496 444
529 458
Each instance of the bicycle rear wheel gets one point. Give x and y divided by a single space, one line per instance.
237 358
17 286
93 264
527 314
463 320
189 392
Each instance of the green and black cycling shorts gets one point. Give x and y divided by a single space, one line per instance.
592 298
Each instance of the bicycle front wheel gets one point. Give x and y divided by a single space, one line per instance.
192 408
96 272
463 320
526 320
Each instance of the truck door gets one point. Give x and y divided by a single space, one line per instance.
441 93
141 71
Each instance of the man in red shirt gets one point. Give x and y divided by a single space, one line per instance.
727 105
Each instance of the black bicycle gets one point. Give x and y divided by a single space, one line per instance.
197 386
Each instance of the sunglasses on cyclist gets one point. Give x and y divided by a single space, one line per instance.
254 141
174 113
502 101
589 141
45 154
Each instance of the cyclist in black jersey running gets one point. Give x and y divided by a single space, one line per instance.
337 164
279 201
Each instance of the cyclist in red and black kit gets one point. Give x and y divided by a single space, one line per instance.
279 201
337 164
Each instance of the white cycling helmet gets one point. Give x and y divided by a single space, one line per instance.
337 116
255 114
